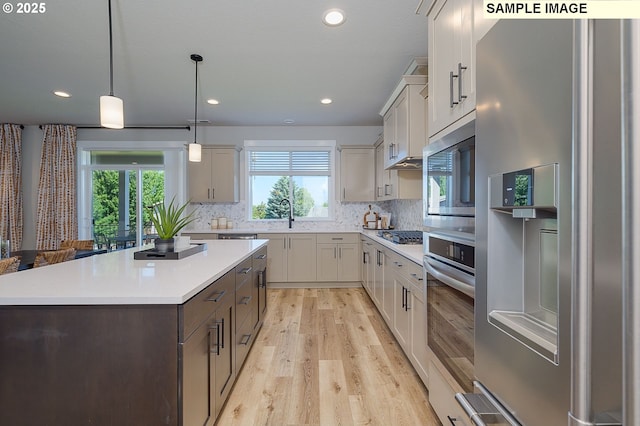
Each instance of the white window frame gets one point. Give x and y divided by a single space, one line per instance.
291 145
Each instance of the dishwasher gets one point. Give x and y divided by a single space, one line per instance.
237 236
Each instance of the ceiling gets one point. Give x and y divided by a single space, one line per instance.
266 61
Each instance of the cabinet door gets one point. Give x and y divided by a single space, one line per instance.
365 262
224 175
444 48
224 336
465 66
419 355
401 313
357 177
378 283
199 178
388 299
277 259
389 131
198 400
348 261
301 259
401 108
327 262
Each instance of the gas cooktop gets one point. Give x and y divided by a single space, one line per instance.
402 237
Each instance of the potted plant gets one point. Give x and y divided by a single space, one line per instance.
168 221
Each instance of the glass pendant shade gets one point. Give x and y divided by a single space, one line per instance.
111 112
195 152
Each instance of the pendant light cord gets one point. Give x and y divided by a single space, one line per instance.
195 122
110 53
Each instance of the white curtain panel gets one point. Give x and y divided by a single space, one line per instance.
57 217
11 216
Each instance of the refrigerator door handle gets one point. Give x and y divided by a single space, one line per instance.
482 407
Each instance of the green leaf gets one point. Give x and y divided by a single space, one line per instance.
168 220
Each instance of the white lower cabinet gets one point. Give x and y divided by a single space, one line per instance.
442 390
338 257
292 257
396 286
368 264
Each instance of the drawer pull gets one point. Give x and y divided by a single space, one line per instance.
245 300
336 238
245 271
219 327
215 297
245 339
261 256
417 277
452 420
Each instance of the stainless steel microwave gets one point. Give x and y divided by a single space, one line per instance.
449 182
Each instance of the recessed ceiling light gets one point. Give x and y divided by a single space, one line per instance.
326 101
333 17
213 101
288 121
61 94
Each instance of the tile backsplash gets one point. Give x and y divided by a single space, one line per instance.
405 214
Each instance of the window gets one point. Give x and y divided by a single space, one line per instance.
303 175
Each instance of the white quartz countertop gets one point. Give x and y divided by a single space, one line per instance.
117 279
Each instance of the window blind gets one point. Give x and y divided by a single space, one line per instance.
317 163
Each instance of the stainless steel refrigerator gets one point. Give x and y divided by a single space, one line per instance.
550 322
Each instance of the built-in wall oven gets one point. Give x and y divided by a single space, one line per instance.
449 266
449 181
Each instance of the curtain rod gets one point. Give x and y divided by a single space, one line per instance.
138 127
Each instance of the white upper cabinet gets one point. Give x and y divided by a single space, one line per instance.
215 178
452 92
455 27
357 174
405 121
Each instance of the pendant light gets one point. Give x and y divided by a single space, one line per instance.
111 107
195 150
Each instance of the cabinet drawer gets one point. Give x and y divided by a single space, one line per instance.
199 307
245 335
409 270
260 259
338 238
243 271
442 398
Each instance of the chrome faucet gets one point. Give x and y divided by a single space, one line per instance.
291 219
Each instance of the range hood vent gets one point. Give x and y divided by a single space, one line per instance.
410 163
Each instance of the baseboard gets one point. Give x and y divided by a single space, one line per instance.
349 284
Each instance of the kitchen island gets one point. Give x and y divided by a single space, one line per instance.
116 341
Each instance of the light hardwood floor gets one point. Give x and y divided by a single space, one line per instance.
325 357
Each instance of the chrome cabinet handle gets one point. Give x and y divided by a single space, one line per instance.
460 95
213 193
245 300
219 341
451 101
208 192
245 271
335 253
261 256
245 339
215 297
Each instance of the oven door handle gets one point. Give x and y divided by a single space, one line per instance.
467 289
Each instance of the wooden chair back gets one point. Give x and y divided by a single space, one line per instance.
77 244
55 256
9 265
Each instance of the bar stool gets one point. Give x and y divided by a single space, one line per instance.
55 256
